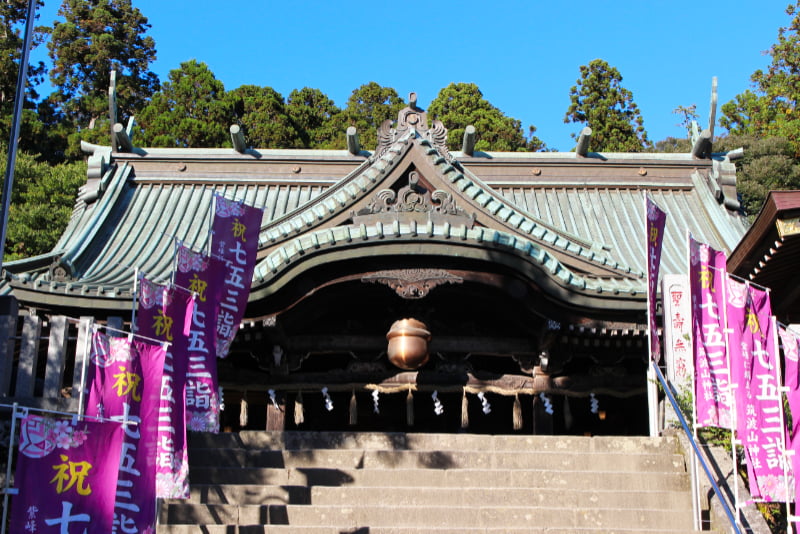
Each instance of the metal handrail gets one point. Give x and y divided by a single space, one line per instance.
671 396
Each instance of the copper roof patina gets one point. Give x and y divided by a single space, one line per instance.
574 224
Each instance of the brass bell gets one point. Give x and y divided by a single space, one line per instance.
408 344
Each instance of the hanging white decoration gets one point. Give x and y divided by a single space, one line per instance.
438 409
327 399
273 399
221 400
485 406
375 408
548 406
594 403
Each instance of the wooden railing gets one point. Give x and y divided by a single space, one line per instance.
42 359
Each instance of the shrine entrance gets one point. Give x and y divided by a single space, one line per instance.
495 365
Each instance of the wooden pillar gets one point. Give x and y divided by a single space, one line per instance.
28 356
276 417
9 310
56 357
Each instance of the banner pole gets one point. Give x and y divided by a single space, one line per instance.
89 333
6 492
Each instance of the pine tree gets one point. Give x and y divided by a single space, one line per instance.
600 102
771 108
462 104
94 37
190 110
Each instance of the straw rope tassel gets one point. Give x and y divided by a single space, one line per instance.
464 409
243 411
517 413
298 409
410 408
353 409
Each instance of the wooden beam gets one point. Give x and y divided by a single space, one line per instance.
121 139
237 138
582 148
702 147
353 145
468 145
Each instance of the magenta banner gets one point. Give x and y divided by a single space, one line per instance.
656 220
791 358
125 383
164 314
235 240
202 276
66 476
762 430
712 375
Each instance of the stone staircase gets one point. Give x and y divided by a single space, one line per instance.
392 483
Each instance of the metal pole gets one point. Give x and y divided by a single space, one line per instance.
19 100
8 466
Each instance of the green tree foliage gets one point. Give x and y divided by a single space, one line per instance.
95 37
368 106
315 116
768 164
263 116
12 21
190 110
460 104
41 204
599 101
771 109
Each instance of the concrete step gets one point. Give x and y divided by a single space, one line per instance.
353 516
370 458
419 496
542 479
290 529
263 440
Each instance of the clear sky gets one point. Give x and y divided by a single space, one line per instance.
524 55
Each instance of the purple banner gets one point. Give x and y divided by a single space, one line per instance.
66 476
761 423
164 314
234 239
791 358
202 276
125 382
656 220
712 375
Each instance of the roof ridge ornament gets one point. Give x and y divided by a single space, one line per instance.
412 120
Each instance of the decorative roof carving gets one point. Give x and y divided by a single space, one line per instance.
413 283
414 198
412 119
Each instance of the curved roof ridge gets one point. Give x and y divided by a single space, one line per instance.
336 198
500 208
304 245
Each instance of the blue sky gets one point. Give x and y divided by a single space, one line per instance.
524 55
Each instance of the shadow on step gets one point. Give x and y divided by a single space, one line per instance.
321 476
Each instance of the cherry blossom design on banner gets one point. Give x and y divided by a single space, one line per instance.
164 313
656 221
66 476
712 374
201 275
234 239
128 387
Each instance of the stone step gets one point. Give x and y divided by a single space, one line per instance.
290 529
370 458
261 440
418 496
392 515
532 478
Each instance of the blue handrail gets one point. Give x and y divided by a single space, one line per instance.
671 396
